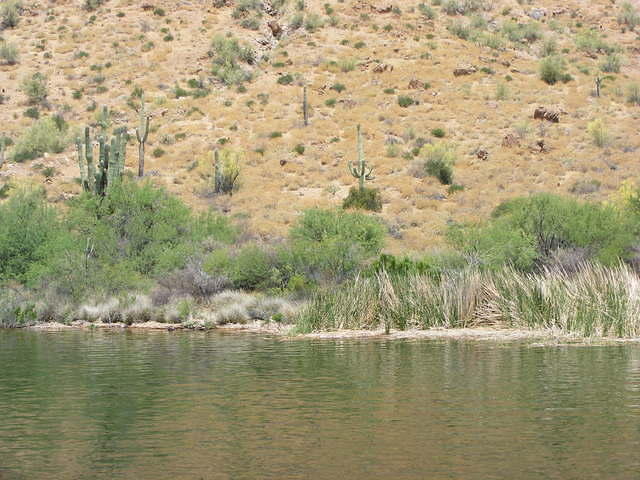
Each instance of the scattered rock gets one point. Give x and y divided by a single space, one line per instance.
538 13
510 140
464 70
558 11
382 67
147 7
383 9
416 85
283 162
276 29
482 154
542 113
436 196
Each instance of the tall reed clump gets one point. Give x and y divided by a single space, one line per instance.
596 301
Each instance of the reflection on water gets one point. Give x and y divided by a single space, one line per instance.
112 405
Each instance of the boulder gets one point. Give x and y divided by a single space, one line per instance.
542 113
464 70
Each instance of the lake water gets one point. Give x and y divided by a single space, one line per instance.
163 405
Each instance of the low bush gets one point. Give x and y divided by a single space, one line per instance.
365 199
46 135
527 232
437 160
35 88
553 70
628 16
8 53
10 13
228 55
330 246
599 133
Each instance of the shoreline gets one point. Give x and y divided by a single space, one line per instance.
496 334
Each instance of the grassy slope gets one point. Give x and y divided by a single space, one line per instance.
272 195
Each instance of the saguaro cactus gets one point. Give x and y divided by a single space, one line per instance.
360 171
142 133
598 85
111 156
305 106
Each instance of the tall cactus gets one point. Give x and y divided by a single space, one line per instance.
98 179
360 171
142 133
217 178
305 106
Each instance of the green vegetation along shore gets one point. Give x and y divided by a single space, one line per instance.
139 254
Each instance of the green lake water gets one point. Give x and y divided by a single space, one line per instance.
167 405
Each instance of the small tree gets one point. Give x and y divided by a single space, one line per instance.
142 133
35 88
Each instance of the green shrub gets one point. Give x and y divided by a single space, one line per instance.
285 79
529 231
35 88
405 101
32 112
10 13
28 223
365 199
8 53
591 41
552 70
332 245
628 16
313 22
426 11
599 133
459 29
438 160
47 135
438 132
228 55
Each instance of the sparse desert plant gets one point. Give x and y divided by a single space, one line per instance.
502 92
628 16
226 171
313 22
8 53
611 63
438 132
591 41
633 94
228 54
47 135
599 133
347 64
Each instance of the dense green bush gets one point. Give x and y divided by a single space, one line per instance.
228 55
365 199
46 135
438 160
122 241
553 70
28 224
529 231
332 245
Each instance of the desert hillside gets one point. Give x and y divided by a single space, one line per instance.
388 66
